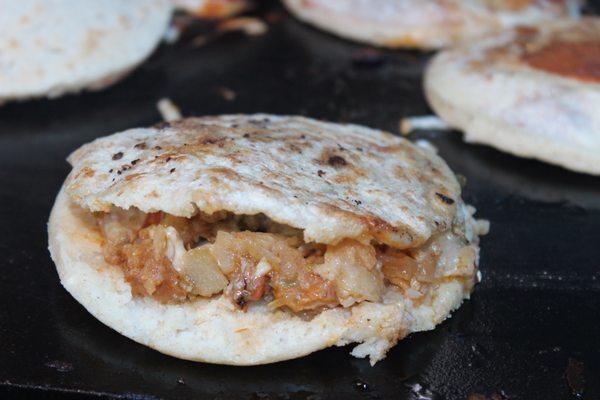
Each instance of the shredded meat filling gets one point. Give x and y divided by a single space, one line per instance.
251 259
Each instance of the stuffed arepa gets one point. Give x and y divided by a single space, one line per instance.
252 239
426 24
533 92
52 47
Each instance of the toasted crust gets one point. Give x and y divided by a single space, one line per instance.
51 47
427 24
531 92
333 181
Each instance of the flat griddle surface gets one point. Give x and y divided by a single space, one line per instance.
536 312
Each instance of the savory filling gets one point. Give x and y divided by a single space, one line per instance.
252 258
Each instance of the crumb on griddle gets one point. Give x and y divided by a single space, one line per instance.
424 122
251 26
168 110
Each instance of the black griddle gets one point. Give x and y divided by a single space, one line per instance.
530 331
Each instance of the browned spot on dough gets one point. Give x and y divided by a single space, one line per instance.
337 161
377 224
397 148
400 173
132 177
13 43
117 156
91 41
294 148
510 5
87 172
444 198
526 31
261 136
344 179
219 141
226 172
167 157
578 60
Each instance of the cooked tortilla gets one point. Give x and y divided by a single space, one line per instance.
425 24
531 92
52 47
252 239
212 8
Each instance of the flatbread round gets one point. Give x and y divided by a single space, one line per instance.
531 92
52 47
426 24
333 181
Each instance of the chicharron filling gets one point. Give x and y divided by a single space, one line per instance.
252 258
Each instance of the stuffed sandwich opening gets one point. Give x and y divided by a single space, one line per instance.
251 258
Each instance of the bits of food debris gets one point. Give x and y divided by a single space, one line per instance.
60 366
445 198
225 93
249 25
427 145
168 110
201 40
361 386
411 124
213 9
172 34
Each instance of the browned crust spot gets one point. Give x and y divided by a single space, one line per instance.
510 5
578 60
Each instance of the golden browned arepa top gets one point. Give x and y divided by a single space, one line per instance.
333 181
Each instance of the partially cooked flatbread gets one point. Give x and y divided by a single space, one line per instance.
52 47
252 239
426 24
533 92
